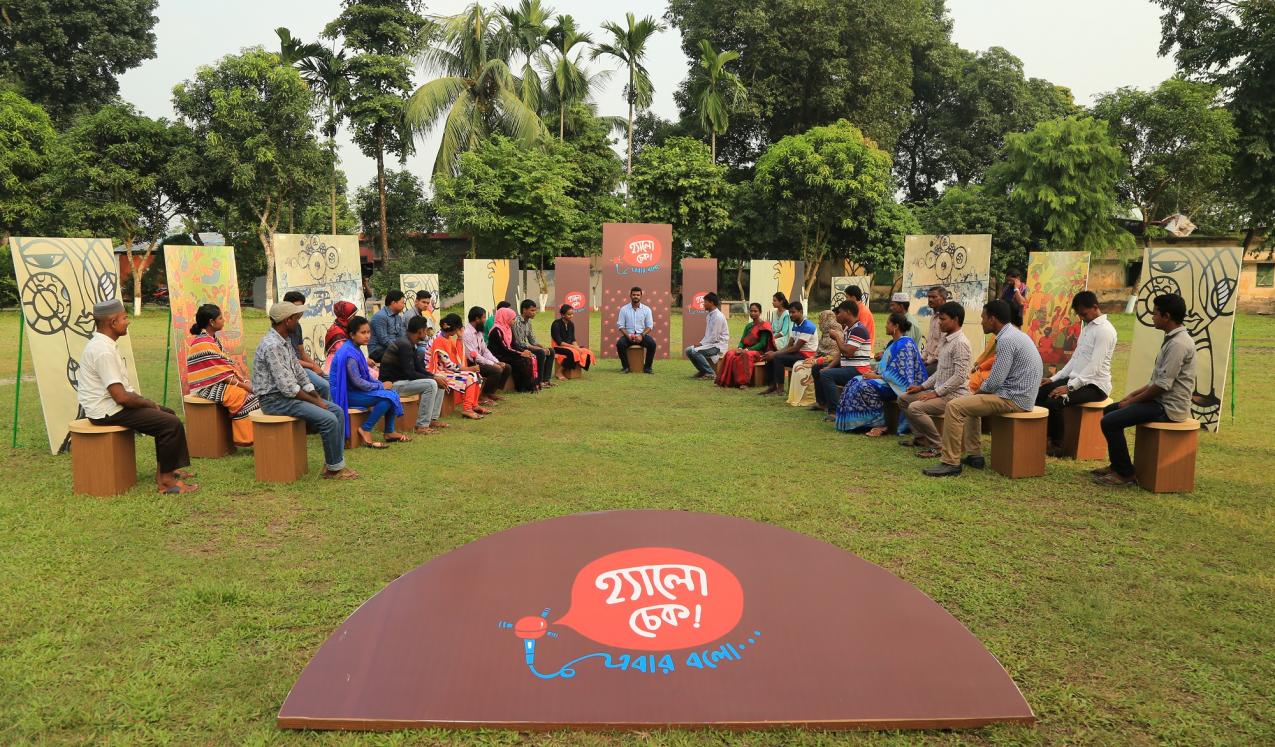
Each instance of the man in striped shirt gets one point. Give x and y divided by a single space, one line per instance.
856 357
1011 386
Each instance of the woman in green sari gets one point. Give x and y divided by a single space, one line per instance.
737 364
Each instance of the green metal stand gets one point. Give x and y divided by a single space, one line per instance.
17 391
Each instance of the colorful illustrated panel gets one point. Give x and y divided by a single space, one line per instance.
198 275
326 270
766 277
651 619
490 281
411 283
699 278
571 286
1207 278
1053 280
636 254
59 281
960 263
839 285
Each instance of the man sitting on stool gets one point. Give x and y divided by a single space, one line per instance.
855 358
1087 376
716 339
106 395
1010 387
635 325
1166 398
405 371
525 339
803 342
949 381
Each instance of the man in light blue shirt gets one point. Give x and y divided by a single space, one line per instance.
635 324
716 339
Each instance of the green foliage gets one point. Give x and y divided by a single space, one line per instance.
1177 145
567 79
410 258
821 187
717 92
1061 180
975 209
29 152
595 176
407 208
678 183
628 47
66 54
525 31
877 243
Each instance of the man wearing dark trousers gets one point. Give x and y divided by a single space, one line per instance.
525 339
635 324
802 344
1087 376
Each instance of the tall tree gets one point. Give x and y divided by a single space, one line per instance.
67 54
410 211
567 81
1177 144
476 95
1061 179
678 183
385 35
328 75
29 155
717 92
821 185
525 32
294 51
251 118
628 47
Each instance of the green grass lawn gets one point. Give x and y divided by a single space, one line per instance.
1124 617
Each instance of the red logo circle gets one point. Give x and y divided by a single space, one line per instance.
576 300
697 302
643 250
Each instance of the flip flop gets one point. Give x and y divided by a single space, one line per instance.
426 431
183 474
401 439
1113 480
439 424
929 454
876 433
373 444
471 415
178 489
345 474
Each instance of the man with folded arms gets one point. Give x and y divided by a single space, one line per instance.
949 381
1087 376
1011 386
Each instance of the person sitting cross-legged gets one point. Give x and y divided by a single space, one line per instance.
404 369
854 359
715 341
107 397
1087 376
1166 398
950 380
353 386
284 389
803 342
1011 387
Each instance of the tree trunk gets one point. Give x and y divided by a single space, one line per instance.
380 184
713 140
739 281
137 280
267 243
562 122
632 96
812 274
334 200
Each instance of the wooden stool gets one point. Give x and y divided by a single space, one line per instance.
1164 456
1082 431
892 416
1018 443
759 374
103 458
717 365
207 428
636 357
358 416
449 404
575 372
509 384
406 423
278 447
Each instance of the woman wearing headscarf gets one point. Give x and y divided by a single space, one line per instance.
801 390
737 365
214 376
339 333
353 386
863 400
447 359
501 344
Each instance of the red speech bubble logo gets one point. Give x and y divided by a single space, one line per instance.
575 300
697 302
654 599
642 251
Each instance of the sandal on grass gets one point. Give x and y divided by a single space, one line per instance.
929 453
397 438
471 415
368 442
1113 480
178 488
439 424
341 474
877 432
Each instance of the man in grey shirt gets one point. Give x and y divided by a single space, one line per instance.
525 339
1167 398
1011 386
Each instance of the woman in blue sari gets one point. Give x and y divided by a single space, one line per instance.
863 400
353 386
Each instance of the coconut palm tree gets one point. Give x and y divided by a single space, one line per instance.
328 75
716 92
525 31
567 80
476 94
628 45
292 50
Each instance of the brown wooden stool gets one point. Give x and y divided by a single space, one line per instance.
509 383
717 365
1164 456
449 404
759 374
1082 431
636 357
1018 443
103 458
406 423
575 372
358 416
892 416
278 447
208 434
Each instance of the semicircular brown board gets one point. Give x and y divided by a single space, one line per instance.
642 619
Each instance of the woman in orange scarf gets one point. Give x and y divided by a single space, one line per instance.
568 354
447 359
213 376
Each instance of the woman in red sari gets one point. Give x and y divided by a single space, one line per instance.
758 338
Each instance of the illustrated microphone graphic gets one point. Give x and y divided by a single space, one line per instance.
530 629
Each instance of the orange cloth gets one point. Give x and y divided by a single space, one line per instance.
240 428
583 356
983 366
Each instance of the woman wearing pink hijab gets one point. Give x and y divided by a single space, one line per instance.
339 333
501 345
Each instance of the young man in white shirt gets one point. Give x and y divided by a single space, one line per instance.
108 398
1087 376
716 339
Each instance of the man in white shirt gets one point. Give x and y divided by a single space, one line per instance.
1087 376
108 398
635 324
716 339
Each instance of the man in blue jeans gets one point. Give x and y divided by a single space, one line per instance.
283 388
313 371
856 358
1167 398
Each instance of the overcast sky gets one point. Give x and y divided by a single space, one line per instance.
1089 46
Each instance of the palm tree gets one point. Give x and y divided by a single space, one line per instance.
475 96
567 79
292 50
628 45
717 92
328 75
525 30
